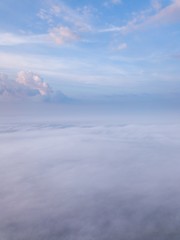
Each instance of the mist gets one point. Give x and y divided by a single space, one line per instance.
76 173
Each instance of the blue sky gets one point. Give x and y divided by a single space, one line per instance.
97 47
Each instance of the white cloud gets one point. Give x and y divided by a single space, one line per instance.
33 81
10 39
122 46
27 84
62 35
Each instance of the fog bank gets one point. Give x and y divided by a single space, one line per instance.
89 177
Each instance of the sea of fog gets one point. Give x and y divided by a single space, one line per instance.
82 175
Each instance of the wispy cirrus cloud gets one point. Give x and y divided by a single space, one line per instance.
11 39
66 24
167 15
64 15
47 65
154 16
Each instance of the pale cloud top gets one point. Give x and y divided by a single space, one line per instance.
80 177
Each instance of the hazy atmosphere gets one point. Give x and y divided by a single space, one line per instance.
89 120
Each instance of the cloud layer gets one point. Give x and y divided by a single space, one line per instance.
89 179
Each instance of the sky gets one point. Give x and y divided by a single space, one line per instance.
90 152
87 48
